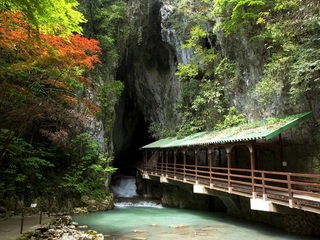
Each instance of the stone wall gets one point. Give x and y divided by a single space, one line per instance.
291 220
178 196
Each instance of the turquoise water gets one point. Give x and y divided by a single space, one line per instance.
158 223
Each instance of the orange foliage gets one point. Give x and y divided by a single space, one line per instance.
56 84
45 69
91 107
70 101
85 81
11 88
78 51
56 57
16 34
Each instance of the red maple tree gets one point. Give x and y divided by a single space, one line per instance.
44 71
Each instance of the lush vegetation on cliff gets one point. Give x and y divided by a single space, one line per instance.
51 94
284 35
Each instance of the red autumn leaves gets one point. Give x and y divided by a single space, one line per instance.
44 73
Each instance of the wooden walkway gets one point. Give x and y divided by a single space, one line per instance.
293 190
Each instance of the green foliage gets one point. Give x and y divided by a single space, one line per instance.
202 102
89 167
186 71
202 105
275 75
58 17
196 35
109 94
289 29
108 22
280 5
238 14
305 74
294 44
232 119
227 71
158 131
42 84
23 168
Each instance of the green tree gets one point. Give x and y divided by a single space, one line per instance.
40 81
59 17
43 105
89 167
291 35
24 173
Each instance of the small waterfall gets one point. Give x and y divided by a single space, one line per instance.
125 187
125 192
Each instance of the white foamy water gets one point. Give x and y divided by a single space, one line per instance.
125 187
138 204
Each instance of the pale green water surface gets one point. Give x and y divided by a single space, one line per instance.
158 223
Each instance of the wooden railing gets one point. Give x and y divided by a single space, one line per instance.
295 190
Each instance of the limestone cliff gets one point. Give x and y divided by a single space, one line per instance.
148 71
152 89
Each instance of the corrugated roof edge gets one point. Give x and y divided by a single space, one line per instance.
174 141
299 118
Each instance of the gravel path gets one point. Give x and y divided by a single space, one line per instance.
10 228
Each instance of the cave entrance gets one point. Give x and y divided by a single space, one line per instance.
134 135
143 68
130 134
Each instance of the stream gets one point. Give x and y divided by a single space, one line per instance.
147 220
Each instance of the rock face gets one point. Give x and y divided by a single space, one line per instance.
148 71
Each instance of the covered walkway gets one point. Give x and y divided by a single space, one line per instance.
241 160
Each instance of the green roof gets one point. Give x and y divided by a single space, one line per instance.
265 129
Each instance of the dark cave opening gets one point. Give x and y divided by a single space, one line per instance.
130 154
144 61
131 130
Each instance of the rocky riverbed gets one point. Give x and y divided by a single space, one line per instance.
62 228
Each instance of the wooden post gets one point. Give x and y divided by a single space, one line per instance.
228 150
264 193
196 165
184 164
236 158
22 219
281 153
253 168
210 150
174 163
161 151
167 161
40 220
145 160
156 162
290 195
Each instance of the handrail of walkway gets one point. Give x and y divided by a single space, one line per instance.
295 190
